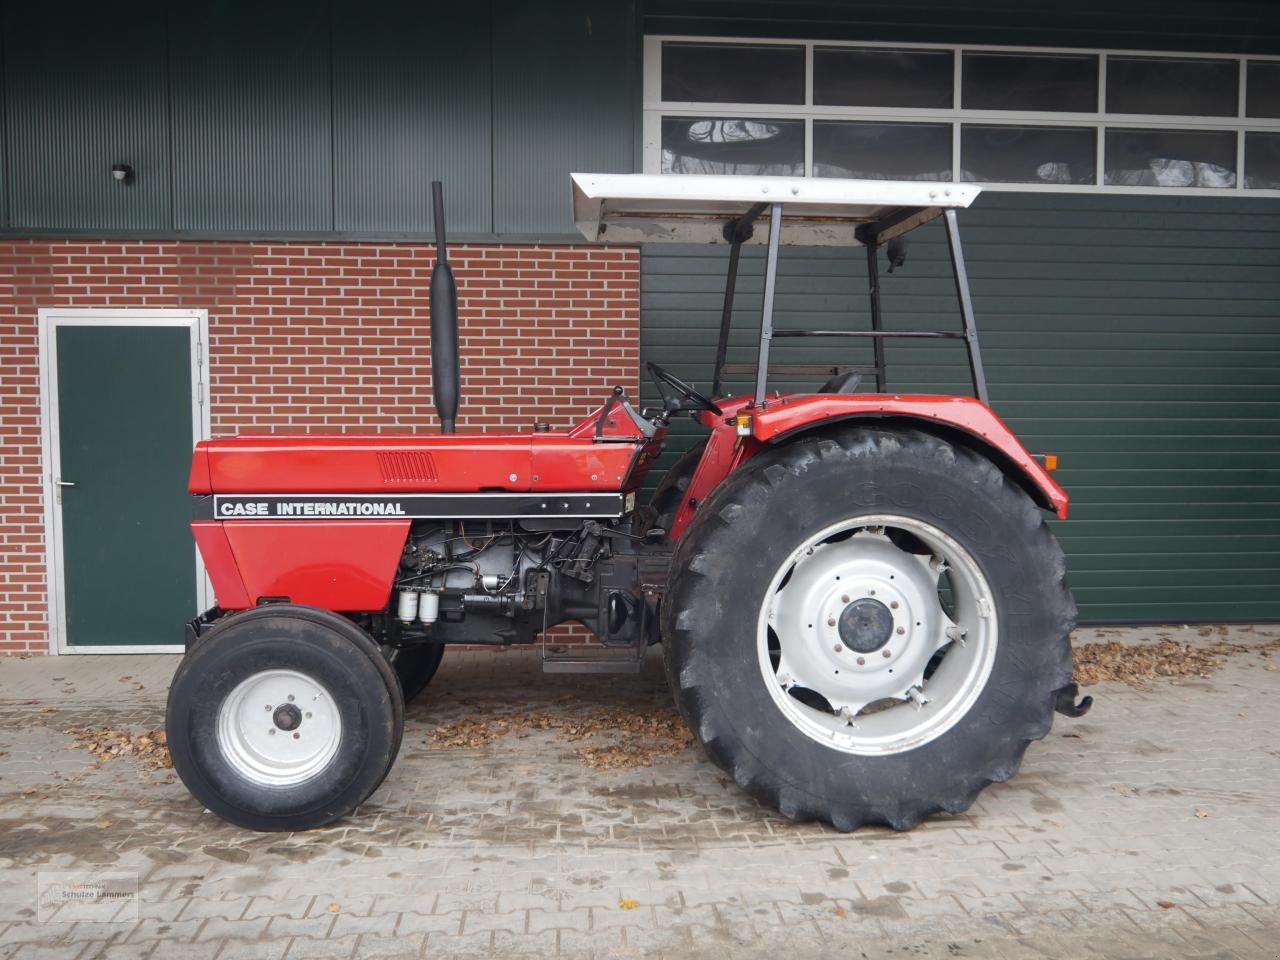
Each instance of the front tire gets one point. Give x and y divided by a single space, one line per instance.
284 718
867 626
415 666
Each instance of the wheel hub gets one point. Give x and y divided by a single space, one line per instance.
287 717
865 625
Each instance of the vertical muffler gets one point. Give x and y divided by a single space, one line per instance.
444 322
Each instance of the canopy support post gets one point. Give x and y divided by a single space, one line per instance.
726 315
873 285
766 313
966 307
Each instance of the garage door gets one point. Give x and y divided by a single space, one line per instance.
1136 337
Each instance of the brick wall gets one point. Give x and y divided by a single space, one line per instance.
315 338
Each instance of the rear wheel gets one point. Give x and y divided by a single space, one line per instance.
284 718
675 484
897 630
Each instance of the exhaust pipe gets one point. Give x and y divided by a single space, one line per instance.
444 322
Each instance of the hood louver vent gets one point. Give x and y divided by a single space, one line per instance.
407 467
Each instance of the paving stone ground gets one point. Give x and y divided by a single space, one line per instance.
1148 829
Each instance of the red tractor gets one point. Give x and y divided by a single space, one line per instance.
863 614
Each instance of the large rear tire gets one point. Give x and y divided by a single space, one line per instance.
867 626
670 492
284 718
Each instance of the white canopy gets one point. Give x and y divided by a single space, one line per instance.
647 208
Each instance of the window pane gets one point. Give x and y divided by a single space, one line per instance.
854 77
1262 161
708 145
997 154
1014 81
732 73
1263 95
1165 85
1171 158
882 151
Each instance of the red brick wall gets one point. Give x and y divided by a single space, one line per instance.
315 338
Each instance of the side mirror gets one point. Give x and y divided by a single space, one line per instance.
897 252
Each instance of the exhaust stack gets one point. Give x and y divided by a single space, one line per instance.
444 322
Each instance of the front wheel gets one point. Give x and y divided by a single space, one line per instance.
896 630
284 718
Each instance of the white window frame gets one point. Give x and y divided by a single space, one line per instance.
49 319
654 109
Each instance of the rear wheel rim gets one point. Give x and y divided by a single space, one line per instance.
279 728
856 644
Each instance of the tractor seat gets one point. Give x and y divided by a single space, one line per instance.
842 383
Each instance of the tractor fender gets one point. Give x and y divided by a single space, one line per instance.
961 420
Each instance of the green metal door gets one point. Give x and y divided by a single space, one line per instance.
1135 337
123 435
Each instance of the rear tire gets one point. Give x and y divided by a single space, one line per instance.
675 484
802 714
284 718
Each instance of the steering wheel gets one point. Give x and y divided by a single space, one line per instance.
678 395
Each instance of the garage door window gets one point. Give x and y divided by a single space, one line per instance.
1021 119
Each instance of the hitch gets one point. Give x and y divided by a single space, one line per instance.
1065 702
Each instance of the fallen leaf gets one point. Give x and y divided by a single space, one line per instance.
1124 789
1165 904
1202 814
840 912
627 904
334 908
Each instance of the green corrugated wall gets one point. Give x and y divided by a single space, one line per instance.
311 119
1136 337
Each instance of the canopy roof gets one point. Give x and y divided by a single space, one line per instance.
648 208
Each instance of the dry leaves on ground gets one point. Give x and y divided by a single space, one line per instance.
1136 663
633 738
108 743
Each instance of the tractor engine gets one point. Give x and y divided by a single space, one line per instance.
503 581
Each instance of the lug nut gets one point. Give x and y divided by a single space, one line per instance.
886 654
893 605
831 621
308 714
296 735
845 598
871 593
272 731
268 708
862 661
902 630
291 698
838 647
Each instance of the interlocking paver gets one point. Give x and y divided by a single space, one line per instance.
1094 849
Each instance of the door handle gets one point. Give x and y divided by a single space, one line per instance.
59 483
65 483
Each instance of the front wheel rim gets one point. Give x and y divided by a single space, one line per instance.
857 646
279 728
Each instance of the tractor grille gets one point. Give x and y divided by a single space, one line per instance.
407 467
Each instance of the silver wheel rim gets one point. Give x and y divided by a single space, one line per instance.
851 586
278 728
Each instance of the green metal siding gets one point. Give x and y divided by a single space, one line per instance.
561 104
296 118
411 105
251 117
1135 337
1225 26
79 100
